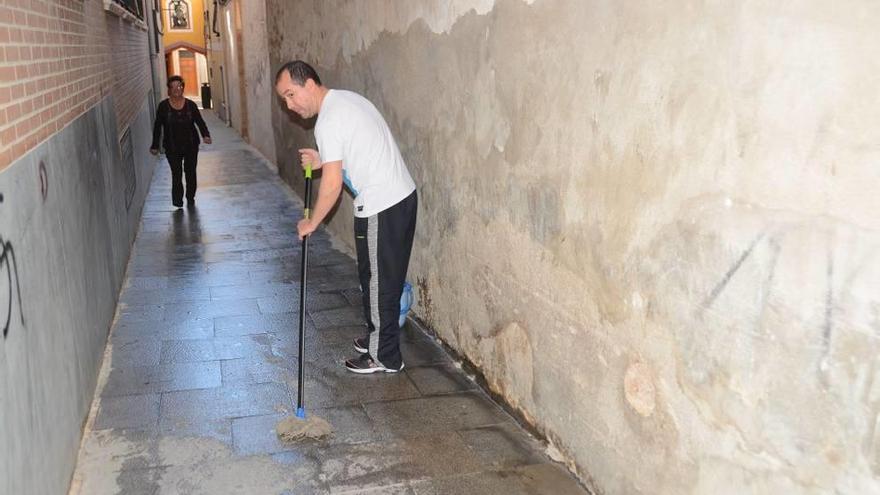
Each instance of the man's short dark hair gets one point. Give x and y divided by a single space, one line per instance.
175 79
299 72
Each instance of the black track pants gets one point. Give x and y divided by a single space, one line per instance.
384 243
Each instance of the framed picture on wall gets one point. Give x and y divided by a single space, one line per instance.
179 15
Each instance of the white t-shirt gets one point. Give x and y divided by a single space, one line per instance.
351 129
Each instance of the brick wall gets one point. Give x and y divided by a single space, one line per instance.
58 58
130 65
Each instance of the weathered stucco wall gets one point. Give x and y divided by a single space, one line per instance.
259 82
235 88
69 212
652 227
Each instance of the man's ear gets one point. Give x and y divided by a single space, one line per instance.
310 84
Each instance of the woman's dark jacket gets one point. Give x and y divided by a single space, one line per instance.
178 128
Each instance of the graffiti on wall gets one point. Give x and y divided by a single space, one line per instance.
9 265
127 149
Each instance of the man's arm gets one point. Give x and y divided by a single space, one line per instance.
328 193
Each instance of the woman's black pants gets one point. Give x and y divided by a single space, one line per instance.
180 164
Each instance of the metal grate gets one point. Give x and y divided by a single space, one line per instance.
133 6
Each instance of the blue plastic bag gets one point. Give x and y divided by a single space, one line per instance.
406 302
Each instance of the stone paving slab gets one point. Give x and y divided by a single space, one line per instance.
164 330
162 378
203 360
128 411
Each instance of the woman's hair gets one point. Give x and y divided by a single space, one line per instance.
173 79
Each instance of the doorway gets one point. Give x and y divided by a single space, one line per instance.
188 72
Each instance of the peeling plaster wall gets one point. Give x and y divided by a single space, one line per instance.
652 226
230 26
69 213
259 83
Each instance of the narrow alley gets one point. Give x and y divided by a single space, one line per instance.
201 365
642 239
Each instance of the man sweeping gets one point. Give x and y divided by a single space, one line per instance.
355 147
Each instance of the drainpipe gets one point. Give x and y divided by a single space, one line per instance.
154 22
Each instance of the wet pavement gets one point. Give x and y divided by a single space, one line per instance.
202 364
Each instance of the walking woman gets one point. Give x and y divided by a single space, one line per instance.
177 118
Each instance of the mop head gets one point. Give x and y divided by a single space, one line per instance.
292 428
